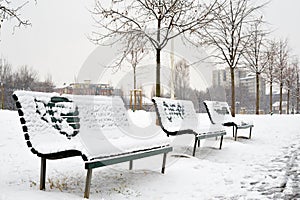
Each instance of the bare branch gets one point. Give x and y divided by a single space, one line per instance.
8 12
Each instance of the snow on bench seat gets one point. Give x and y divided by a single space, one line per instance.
97 128
178 117
219 113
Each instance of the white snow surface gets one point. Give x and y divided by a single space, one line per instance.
265 167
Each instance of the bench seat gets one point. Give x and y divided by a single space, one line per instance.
177 117
219 113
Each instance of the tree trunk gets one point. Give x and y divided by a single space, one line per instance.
158 50
257 93
297 94
134 77
271 97
232 92
280 98
288 102
158 72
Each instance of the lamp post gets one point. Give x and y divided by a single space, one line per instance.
2 95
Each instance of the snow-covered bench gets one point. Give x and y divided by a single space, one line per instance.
177 117
219 113
96 128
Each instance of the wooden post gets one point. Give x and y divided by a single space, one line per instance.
130 104
88 183
135 102
43 174
141 102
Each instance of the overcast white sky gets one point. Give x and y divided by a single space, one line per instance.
57 43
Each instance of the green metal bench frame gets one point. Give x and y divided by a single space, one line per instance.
89 166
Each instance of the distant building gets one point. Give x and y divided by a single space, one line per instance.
249 82
276 107
243 77
222 77
86 88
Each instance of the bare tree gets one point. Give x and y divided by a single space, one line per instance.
228 35
271 54
281 67
255 55
297 95
134 52
9 11
182 80
291 83
25 78
156 21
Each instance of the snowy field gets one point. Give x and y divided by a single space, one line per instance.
265 167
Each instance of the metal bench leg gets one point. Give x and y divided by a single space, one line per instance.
43 174
164 163
221 142
130 164
236 128
250 133
233 131
195 145
88 183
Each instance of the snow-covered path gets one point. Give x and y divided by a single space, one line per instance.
282 175
265 167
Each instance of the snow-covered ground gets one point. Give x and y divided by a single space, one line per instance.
265 167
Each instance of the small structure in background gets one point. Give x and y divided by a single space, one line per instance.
276 106
136 99
86 88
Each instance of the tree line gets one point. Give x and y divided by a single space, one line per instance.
24 78
234 30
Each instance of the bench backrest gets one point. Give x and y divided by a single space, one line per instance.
218 112
52 122
175 115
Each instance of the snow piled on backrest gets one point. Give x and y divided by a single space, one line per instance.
106 130
44 137
176 115
100 111
219 112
